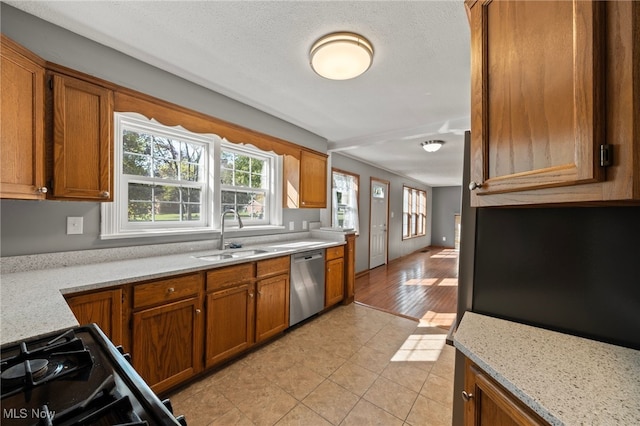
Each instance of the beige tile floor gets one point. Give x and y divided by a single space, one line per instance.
351 366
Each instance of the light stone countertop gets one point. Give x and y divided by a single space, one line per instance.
32 302
567 380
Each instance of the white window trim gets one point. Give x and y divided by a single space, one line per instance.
112 223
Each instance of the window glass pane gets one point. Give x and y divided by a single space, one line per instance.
191 212
166 193
137 143
139 211
191 195
241 178
135 164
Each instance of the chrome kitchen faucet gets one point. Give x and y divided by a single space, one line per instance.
240 225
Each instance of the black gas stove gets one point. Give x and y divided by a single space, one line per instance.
76 378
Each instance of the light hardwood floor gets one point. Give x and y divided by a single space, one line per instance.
422 285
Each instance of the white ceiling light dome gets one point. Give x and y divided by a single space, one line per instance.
432 145
341 56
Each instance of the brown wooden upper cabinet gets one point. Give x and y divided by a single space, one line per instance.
22 167
82 139
305 180
543 128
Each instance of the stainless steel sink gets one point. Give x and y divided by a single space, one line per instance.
244 253
231 254
215 257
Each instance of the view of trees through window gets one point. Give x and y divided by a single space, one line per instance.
164 177
244 180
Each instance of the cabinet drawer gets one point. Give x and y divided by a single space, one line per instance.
224 277
278 265
163 291
335 252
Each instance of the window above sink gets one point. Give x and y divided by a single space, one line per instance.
171 181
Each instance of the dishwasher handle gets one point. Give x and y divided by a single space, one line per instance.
307 257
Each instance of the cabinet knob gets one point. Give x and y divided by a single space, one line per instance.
250 294
467 396
198 311
474 185
42 190
104 194
171 290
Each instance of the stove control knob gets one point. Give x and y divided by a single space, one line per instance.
124 354
167 404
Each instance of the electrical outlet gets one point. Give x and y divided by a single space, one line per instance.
305 225
292 226
74 225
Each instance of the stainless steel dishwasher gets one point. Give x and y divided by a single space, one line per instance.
307 285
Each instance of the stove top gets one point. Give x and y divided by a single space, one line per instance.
75 378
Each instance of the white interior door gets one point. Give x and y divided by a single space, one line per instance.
378 223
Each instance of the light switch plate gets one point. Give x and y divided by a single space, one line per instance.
292 226
74 225
305 225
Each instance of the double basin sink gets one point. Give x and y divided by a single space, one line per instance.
232 254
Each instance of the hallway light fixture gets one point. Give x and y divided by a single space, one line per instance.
432 145
341 56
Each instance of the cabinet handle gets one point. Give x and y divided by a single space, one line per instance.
250 294
474 185
171 290
42 190
104 194
467 396
198 311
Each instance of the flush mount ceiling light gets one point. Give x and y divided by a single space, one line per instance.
432 146
341 56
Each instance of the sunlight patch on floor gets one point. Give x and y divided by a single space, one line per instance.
446 253
437 319
420 347
421 281
448 282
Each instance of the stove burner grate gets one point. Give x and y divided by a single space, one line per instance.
32 367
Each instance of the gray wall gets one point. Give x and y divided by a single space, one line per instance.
446 204
397 246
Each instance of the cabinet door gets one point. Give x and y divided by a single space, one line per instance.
272 306
229 327
537 118
167 343
334 282
103 308
350 269
313 180
488 404
21 123
82 140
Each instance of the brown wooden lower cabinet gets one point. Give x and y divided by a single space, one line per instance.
229 326
272 306
103 308
167 343
489 404
334 276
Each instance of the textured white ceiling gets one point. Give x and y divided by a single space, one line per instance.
257 52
